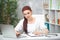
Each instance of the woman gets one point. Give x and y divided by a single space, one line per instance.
29 24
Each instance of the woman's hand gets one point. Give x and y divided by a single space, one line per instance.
37 33
17 33
43 31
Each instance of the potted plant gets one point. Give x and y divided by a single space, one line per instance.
8 14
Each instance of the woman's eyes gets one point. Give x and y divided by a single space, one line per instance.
28 13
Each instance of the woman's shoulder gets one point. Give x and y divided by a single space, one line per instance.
39 17
21 20
36 16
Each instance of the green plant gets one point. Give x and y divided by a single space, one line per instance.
8 12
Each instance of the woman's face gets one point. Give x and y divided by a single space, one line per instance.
27 14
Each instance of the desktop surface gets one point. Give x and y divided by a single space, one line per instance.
33 38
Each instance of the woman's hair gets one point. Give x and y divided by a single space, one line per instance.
25 20
26 8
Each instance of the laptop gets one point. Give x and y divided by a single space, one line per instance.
8 31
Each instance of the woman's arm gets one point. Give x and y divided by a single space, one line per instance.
19 27
43 31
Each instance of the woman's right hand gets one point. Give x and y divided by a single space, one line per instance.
17 33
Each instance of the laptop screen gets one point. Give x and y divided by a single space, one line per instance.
8 31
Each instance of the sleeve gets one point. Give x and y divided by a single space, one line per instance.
19 25
41 22
42 25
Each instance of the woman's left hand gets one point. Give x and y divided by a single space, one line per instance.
37 33
44 31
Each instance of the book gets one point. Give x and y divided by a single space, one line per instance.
58 17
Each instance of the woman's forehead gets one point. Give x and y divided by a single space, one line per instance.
26 11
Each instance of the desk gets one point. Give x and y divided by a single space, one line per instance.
34 38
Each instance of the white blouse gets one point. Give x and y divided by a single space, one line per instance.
37 25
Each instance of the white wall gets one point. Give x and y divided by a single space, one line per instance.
36 6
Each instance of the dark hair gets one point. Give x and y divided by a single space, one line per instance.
26 8
25 20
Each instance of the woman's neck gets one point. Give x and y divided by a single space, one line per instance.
31 20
